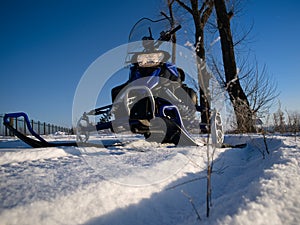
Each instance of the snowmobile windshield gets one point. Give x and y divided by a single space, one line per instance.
147 28
146 42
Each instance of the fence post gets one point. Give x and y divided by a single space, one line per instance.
11 123
42 128
6 134
39 129
32 124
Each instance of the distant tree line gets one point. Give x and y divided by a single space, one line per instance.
284 122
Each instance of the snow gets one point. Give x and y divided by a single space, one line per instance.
150 183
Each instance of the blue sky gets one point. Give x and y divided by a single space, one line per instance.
276 43
46 46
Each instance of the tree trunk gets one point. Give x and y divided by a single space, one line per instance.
174 41
200 17
237 95
200 52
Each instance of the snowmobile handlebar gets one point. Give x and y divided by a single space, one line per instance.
166 36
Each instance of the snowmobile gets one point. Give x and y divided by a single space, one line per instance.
154 102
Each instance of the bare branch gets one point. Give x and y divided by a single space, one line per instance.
244 37
185 6
206 14
218 72
261 90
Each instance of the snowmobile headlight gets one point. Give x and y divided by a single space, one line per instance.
150 59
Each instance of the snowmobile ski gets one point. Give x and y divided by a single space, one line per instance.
40 142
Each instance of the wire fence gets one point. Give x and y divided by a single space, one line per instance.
41 128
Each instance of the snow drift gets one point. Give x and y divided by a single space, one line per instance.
148 183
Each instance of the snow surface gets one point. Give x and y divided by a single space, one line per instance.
150 183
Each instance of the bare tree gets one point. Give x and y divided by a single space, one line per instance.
200 17
261 90
279 120
258 85
251 91
236 93
171 16
293 122
200 12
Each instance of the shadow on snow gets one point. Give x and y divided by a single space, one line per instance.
235 181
